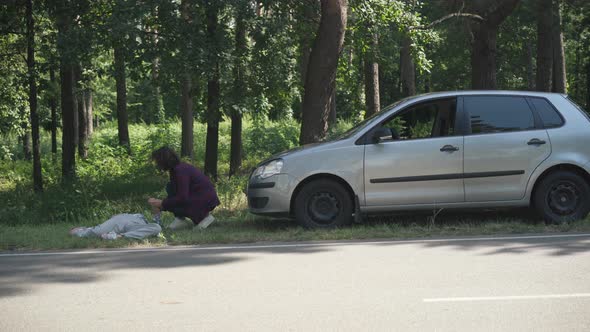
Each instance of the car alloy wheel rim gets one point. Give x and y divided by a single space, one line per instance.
564 198
323 207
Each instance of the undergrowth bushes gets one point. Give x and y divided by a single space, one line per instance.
110 181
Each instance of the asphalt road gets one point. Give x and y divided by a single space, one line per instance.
499 284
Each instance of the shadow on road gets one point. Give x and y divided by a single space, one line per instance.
21 275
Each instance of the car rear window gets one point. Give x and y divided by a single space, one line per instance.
548 114
494 114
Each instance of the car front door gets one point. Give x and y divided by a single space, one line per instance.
503 145
421 162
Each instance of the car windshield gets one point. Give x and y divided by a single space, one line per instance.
355 129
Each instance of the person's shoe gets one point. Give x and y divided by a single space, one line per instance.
208 220
179 223
110 236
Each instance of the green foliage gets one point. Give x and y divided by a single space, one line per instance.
161 46
402 17
270 137
110 181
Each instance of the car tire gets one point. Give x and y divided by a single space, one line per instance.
323 204
562 197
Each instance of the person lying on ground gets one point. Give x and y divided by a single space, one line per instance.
133 226
190 192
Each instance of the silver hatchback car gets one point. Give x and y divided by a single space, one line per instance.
468 149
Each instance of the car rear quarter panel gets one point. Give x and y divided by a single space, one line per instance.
570 144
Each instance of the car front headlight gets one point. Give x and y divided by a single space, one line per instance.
269 169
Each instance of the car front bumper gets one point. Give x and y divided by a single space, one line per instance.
271 196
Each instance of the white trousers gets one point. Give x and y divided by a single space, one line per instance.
132 226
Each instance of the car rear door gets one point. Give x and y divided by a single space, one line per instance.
504 143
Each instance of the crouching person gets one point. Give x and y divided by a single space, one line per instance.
133 226
190 192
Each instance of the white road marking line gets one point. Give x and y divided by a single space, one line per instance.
507 298
288 245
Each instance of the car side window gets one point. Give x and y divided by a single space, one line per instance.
425 120
496 114
548 114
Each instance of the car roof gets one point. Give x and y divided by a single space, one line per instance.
486 92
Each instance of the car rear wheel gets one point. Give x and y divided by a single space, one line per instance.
323 204
562 197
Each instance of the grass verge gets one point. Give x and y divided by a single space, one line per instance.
244 228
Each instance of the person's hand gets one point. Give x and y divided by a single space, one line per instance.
74 230
156 203
156 210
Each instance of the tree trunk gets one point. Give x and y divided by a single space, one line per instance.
559 72
372 100
236 143
68 142
311 15
120 79
213 115
186 109
37 176
577 69
82 116
238 97
427 83
89 113
588 85
332 117
529 66
305 51
213 93
483 57
483 46
407 69
321 72
76 93
53 107
66 73
186 149
156 104
26 137
544 46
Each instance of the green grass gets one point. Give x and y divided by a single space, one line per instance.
240 227
110 182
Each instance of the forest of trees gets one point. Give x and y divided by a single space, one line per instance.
69 66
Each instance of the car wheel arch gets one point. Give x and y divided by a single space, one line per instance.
559 167
320 176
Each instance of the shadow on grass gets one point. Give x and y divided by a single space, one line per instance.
459 217
498 222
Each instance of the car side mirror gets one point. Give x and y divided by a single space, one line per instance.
383 134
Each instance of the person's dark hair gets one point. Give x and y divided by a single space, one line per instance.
166 159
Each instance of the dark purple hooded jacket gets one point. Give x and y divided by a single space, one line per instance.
195 195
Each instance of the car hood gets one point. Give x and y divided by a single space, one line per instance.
307 148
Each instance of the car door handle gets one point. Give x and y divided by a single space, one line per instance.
449 148
536 141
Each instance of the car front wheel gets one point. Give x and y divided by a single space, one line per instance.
323 204
563 197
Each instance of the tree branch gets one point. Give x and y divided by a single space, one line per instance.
474 17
